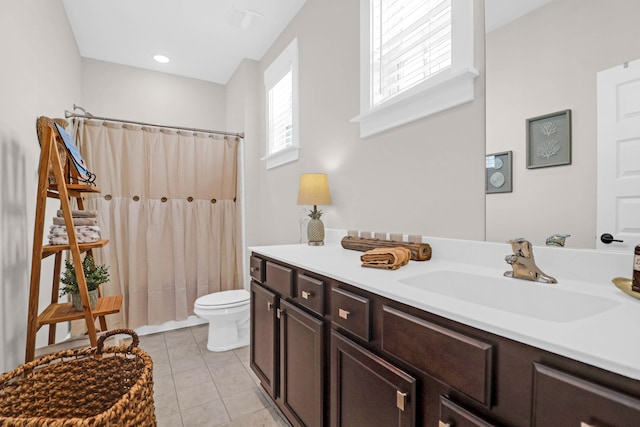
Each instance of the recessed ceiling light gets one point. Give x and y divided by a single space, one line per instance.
161 59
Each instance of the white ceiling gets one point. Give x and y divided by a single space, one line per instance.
195 34
500 12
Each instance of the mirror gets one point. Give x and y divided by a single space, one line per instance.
540 60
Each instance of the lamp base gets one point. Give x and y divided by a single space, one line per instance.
315 232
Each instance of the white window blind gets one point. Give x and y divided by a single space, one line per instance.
281 114
281 108
410 42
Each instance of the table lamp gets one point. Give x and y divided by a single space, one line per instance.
314 190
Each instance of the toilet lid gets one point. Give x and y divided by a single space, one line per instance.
224 298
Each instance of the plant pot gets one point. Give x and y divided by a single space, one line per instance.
77 301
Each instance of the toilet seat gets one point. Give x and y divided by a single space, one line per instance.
224 299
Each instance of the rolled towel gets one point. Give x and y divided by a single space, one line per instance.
79 214
386 258
76 221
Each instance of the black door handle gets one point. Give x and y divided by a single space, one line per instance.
607 238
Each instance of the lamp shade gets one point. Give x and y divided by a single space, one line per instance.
314 189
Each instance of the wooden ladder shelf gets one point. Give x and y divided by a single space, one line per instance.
64 191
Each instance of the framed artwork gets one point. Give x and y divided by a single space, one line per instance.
549 140
498 173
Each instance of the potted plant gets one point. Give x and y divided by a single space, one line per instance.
95 275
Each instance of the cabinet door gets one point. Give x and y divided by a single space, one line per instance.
301 366
367 390
561 399
263 337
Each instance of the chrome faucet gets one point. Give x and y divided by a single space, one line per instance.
557 239
523 264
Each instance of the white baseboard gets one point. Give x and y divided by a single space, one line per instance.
170 325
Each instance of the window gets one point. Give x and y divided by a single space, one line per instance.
416 60
281 94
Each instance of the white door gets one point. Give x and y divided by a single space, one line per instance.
618 212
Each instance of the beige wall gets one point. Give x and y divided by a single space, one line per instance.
124 92
40 75
545 62
242 113
43 74
425 177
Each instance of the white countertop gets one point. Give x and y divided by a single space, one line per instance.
609 339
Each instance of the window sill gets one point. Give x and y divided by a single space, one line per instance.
444 91
286 155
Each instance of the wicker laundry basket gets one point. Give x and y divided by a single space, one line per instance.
101 386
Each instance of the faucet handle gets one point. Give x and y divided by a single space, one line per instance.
521 247
557 239
511 259
517 240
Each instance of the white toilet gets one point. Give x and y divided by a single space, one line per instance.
228 316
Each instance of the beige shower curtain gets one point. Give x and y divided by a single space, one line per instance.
167 206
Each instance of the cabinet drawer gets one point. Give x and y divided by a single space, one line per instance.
561 399
350 312
453 415
279 278
310 293
256 268
459 361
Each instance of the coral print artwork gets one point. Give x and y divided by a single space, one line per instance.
549 140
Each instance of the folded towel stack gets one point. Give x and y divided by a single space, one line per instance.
386 258
85 224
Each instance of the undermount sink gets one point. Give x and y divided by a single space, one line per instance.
544 302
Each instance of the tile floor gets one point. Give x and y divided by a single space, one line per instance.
194 387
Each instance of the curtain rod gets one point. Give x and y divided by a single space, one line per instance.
87 115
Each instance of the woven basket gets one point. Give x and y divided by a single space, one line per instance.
110 386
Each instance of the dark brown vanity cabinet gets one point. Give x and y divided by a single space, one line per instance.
332 354
288 343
